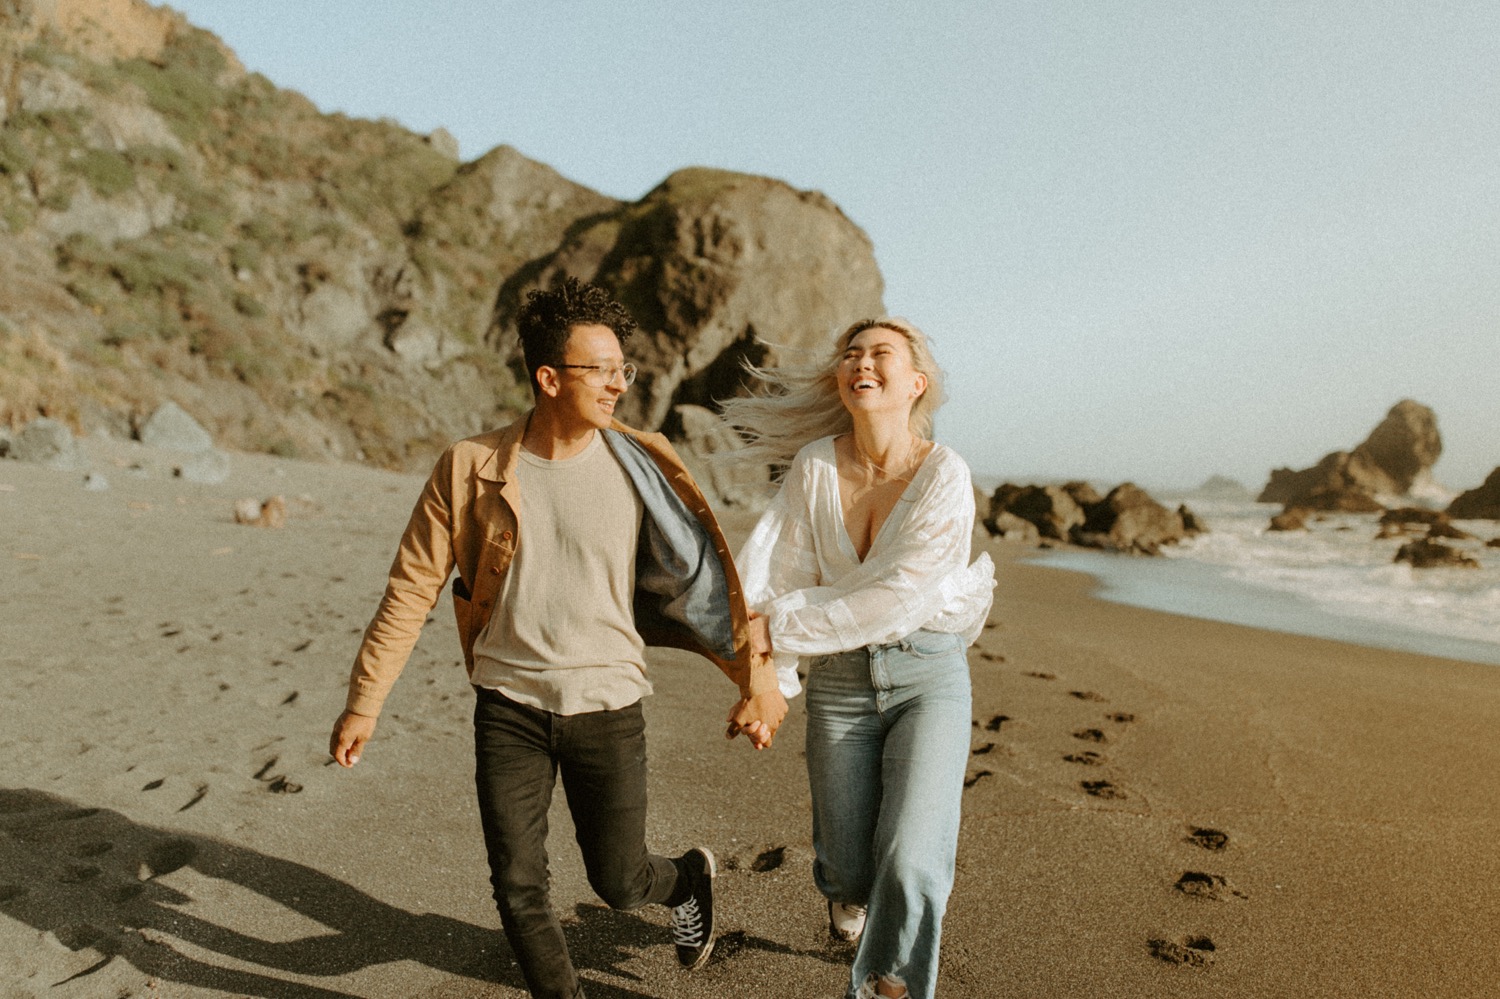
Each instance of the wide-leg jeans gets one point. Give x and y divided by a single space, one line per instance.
519 751
887 748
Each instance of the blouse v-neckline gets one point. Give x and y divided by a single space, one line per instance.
846 542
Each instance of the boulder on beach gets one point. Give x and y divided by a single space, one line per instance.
1426 554
699 436
1394 461
1051 509
1479 503
717 268
46 442
1009 527
1129 520
170 428
1084 494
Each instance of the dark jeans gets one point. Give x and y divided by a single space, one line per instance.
518 751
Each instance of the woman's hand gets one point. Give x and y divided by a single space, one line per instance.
757 718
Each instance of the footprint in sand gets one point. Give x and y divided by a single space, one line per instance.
769 860
1102 789
77 874
978 776
993 725
1190 951
1123 717
1209 839
1088 758
1090 735
97 848
992 657
988 747
1087 695
1036 675
280 785
198 796
1210 886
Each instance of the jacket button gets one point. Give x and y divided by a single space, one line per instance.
494 570
505 535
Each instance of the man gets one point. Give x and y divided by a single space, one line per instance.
578 541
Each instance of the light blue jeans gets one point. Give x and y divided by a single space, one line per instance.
887 747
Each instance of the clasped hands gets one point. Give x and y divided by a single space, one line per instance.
759 716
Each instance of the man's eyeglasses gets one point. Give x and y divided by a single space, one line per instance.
600 375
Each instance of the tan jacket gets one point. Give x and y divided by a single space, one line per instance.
467 517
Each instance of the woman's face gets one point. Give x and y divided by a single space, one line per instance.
876 373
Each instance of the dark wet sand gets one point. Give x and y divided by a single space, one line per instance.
1158 806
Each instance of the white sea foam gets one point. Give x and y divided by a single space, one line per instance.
1335 580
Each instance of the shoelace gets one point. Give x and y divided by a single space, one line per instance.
687 924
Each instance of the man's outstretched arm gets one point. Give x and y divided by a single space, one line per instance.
758 716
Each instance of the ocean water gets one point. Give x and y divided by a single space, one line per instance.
1332 581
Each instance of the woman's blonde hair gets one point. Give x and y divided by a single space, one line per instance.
799 402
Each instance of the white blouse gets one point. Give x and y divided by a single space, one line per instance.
799 567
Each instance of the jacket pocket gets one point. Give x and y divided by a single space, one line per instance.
463 608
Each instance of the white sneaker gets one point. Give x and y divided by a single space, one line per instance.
869 989
846 922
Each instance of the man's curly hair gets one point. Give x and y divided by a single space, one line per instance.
548 317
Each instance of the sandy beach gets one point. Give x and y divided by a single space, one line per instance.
1157 806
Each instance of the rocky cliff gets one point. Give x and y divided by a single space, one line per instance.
177 228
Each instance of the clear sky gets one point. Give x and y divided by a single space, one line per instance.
1150 240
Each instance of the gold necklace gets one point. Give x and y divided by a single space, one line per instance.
905 463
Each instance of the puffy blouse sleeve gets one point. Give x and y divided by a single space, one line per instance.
781 557
917 575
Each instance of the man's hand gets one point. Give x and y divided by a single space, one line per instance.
757 718
350 733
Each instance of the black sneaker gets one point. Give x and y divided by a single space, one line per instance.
693 920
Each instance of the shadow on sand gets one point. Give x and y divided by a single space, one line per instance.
91 878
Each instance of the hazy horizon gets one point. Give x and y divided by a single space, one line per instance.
1152 242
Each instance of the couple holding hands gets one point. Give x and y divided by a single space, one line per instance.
579 541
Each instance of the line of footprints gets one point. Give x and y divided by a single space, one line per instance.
1189 950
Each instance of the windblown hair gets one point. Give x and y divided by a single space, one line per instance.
798 403
548 317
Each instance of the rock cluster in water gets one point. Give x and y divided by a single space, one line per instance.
1125 520
1394 461
1479 503
1390 474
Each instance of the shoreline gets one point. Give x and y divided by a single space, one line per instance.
1231 601
1141 784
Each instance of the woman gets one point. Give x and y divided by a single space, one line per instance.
859 569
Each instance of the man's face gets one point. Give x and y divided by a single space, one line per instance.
576 398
